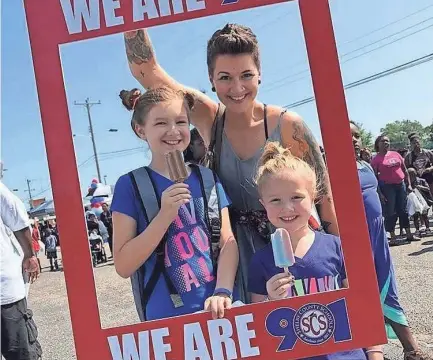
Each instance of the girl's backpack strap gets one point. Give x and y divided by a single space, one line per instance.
212 207
149 204
142 183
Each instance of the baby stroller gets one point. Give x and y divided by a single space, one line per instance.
97 248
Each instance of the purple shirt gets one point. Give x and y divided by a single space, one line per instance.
321 269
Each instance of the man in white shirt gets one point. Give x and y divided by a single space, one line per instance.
18 330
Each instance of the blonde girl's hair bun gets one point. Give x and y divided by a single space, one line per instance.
276 158
273 151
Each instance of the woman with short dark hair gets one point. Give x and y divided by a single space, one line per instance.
393 179
245 126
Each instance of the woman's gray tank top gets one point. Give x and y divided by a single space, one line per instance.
237 177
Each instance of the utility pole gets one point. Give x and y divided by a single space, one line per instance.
30 192
87 104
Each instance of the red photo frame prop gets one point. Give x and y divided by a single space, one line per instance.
270 330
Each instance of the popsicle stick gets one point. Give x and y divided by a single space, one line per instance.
286 269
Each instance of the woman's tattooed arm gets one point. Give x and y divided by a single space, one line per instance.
142 61
138 47
302 143
145 68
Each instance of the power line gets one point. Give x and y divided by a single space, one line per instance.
389 36
391 42
370 78
391 71
283 81
387 25
371 32
42 191
85 162
120 151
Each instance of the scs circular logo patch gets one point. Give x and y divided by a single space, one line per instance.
314 324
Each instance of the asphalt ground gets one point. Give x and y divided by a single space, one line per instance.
48 299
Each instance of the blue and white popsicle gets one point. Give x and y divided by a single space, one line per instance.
282 249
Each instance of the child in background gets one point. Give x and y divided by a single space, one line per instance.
161 117
196 149
51 250
424 190
287 188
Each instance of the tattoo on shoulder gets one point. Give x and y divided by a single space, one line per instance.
298 136
311 154
138 48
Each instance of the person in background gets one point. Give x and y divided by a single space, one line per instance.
43 231
36 237
103 231
51 251
395 319
92 222
422 186
196 150
365 155
107 220
394 180
420 159
403 152
18 329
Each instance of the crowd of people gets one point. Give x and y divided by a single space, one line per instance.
100 232
403 180
23 241
45 239
182 259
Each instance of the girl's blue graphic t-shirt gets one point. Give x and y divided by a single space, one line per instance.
187 253
321 269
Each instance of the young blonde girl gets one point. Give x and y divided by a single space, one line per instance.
161 118
287 188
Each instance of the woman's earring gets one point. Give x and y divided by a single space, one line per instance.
260 81
213 89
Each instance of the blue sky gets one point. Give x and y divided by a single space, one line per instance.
98 69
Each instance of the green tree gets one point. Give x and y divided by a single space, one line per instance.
429 136
397 131
366 136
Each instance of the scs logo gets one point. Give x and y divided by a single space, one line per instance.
314 324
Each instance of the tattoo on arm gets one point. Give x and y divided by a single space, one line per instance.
138 47
325 226
311 154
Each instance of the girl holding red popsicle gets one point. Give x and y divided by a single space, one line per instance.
287 187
